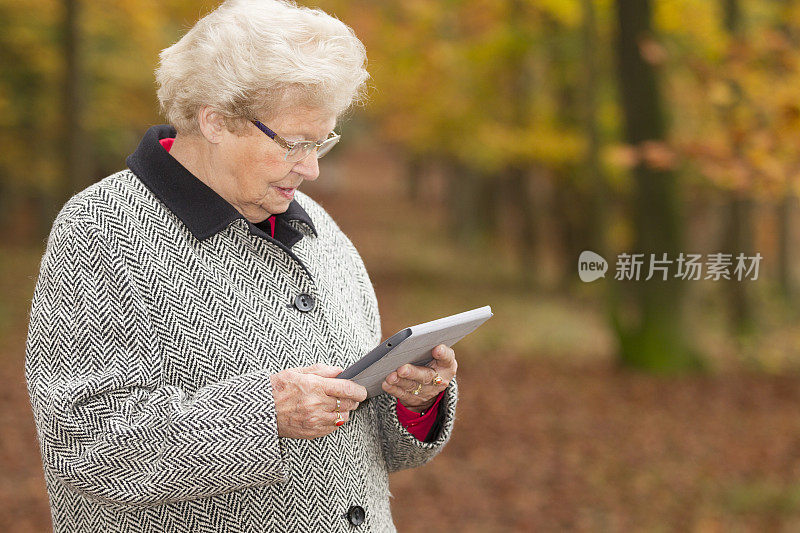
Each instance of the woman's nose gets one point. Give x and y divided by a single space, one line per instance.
308 167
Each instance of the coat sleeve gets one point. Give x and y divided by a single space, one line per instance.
401 449
108 426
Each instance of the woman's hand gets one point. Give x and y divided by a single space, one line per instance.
305 400
409 378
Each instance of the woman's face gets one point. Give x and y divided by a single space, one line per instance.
260 183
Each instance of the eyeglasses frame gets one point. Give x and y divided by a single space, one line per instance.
289 146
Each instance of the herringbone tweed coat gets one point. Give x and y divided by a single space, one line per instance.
148 359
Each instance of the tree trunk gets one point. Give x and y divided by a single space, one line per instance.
464 186
738 238
655 338
592 168
488 211
74 153
788 204
786 208
520 198
516 87
415 169
739 219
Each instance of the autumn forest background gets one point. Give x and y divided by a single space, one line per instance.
499 140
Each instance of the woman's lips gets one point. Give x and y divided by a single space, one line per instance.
286 192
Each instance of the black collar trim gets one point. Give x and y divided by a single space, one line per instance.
197 205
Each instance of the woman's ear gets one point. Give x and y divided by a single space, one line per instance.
212 124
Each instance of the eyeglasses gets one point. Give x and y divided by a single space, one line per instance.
297 151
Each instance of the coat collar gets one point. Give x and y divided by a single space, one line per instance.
197 205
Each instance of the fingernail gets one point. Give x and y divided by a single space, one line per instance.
392 379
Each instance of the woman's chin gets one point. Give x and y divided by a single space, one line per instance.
275 207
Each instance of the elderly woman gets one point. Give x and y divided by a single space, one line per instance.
192 311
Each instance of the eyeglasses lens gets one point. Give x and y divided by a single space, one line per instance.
301 149
326 146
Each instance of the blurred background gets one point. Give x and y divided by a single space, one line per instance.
500 140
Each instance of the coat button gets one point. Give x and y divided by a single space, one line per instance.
355 515
304 302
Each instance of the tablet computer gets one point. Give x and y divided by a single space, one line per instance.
412 345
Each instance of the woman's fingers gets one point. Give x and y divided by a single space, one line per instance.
332 418
305 402
344 404
306 397
409 378
324 422
420 374
408 398
444 358
344 388
321 370
404 389
411 385
444 365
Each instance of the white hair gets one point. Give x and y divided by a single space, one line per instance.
255 58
